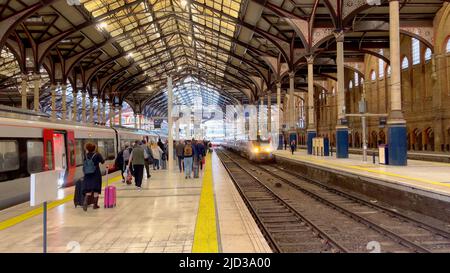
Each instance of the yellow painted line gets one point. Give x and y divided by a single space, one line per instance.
37 211
205 235
328 163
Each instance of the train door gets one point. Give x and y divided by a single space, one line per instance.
58 145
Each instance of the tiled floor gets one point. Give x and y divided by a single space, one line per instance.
431 177
160 218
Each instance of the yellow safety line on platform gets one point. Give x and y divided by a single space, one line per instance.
205 236
318 161
37 211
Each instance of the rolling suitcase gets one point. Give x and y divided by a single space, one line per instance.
110 194
78 197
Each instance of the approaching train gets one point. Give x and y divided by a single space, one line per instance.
33 143
255 150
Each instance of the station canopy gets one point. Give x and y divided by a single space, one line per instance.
226 51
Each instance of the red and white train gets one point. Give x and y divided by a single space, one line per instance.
32 143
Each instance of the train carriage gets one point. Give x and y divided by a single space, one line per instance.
32 143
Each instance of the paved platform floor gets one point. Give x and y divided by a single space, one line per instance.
160 218
433 177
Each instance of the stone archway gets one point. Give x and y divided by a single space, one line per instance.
357 140
381 137
429 139
374 141
417 137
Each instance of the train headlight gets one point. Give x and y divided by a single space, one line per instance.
268 150
256 150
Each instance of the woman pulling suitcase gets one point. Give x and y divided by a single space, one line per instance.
92 175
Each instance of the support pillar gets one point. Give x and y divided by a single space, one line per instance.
341 128
170 121
74 105
83 106
140 121
111 113
24 91
269 112
312 130
104 112
99 111
120 115
63 101
37 87
53 94
397 143
291 115
135 121
280 118
91 110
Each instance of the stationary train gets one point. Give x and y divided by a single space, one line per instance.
32 143
255 150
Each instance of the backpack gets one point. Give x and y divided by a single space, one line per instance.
89 165
146 153
188 150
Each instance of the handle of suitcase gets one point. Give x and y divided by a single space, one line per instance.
107 171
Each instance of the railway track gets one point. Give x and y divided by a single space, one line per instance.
345 220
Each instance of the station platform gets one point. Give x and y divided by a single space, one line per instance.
170 214
423 176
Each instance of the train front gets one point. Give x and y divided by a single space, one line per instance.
261 151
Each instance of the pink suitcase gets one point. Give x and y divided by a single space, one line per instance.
110 194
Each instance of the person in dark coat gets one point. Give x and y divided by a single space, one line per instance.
293 146
120 163
93 182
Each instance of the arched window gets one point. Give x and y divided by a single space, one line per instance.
405 63
350 85
389 70
356 79
415 51
333 91
380 65
427 54
373 75
448 46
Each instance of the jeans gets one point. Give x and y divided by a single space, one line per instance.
163 164
155 164
147 169
138 174
188 166
180 163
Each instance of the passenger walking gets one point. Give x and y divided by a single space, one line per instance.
179 151
147 158
92 175
137 161
157 153
202 153
119 163
292 146
164 156
126 157
195 158
187 158
285 143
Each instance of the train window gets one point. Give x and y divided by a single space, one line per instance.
49 155
35 156
101 148
9 155
110 149
71 147
79 151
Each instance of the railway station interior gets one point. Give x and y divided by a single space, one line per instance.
225 126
